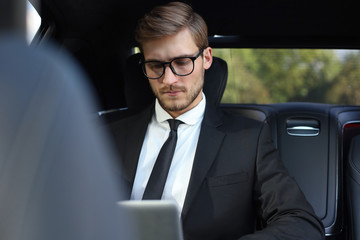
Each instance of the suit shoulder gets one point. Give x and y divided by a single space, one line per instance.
124 121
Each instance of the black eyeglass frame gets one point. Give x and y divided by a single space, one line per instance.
142 63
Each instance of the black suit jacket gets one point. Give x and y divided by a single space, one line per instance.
239 188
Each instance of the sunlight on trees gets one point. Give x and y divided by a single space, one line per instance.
346 85
286 75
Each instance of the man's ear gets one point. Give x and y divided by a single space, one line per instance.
208 57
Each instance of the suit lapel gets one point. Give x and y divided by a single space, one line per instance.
209 143
135 134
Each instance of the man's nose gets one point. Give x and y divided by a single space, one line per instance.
169 77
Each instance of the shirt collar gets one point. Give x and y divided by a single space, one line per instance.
190 117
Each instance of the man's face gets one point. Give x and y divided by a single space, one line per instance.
178 94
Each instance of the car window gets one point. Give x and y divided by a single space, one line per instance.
287 75
33 22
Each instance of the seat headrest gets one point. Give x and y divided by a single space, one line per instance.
138 93
215 81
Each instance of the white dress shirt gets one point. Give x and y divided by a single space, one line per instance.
180 170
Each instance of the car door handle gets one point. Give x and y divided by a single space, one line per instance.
303 127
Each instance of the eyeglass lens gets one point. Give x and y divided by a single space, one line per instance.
180 66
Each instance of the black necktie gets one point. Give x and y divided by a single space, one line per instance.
156 183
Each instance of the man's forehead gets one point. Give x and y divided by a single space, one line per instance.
169 47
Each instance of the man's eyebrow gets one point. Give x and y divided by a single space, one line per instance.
153 60
157 60
185 55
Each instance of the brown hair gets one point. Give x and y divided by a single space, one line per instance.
169 19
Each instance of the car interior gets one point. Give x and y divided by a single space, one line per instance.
318 142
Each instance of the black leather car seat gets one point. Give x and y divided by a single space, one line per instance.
353 188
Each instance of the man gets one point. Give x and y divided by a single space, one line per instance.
225 176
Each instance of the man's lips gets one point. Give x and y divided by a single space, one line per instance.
172 92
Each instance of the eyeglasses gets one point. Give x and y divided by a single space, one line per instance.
181 66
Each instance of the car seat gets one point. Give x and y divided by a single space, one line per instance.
353 188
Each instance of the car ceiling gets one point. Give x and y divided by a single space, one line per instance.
255 22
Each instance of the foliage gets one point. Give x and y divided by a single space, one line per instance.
346 85
285 75
242 85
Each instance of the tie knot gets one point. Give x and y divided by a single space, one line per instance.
174 124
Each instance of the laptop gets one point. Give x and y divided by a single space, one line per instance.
154 219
